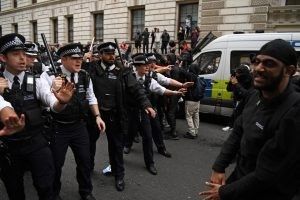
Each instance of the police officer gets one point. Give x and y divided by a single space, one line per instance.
28 148
70 126
166 82
32 63
110 85
147 124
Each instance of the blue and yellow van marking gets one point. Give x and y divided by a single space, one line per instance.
217 90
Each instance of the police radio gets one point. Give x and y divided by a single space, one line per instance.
29 83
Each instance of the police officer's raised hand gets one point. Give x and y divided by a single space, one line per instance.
3 85
87 56
101 124
181 91
187 84
65 93
12 123
150 111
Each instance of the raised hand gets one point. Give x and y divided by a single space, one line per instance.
57 83
182 91
187 84
3 85
64 95
12 124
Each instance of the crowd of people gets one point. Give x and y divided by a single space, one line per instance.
50 106
161 41
46 107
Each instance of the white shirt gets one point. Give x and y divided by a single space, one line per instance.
89 93
4 103
42 91
154 87
110 67
157 36
162 80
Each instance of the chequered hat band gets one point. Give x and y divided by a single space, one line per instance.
13 43
140 62
71 51
151 57
32 49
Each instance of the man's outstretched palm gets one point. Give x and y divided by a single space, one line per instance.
12 124
65 93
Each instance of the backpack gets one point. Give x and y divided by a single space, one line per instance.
198 90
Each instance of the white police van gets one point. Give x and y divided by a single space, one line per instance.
218 57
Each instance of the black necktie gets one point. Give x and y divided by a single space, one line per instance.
72 78
107 69
141 81
16 83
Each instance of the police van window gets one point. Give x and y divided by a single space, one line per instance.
209 62
239 57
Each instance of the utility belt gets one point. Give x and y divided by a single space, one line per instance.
108 109
23 136
26 145
20 142
64 124
59 122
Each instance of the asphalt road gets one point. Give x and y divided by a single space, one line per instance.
180 177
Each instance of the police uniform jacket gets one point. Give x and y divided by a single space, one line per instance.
268 161
127 89
33 91
151 88
84 96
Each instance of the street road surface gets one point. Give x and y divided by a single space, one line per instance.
179 178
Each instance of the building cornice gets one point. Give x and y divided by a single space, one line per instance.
273 9
33 6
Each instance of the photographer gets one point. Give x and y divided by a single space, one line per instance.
240 85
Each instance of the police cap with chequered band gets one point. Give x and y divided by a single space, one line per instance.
140 60
31 49
151 57
107 47
74 50
11 42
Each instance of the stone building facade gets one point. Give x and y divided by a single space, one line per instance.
65 21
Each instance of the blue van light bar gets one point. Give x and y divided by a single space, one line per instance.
295 43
